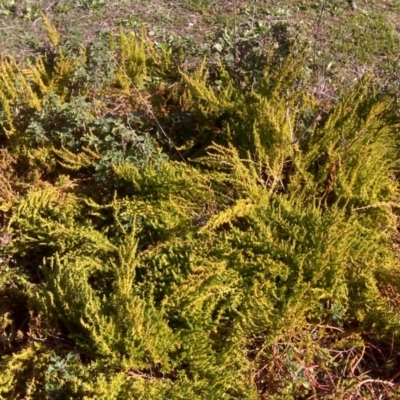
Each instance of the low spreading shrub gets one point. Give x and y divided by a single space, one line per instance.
177 233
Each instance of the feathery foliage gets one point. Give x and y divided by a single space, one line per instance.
261 264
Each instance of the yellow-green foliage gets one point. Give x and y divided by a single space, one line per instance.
49 106
74 161
8 191
32 84
137 58
14 84
19 382
51 31
241 274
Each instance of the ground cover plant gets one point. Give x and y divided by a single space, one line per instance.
199 218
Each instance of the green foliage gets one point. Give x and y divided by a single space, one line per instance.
255 260
360 29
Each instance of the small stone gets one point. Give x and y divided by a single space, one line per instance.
5 239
